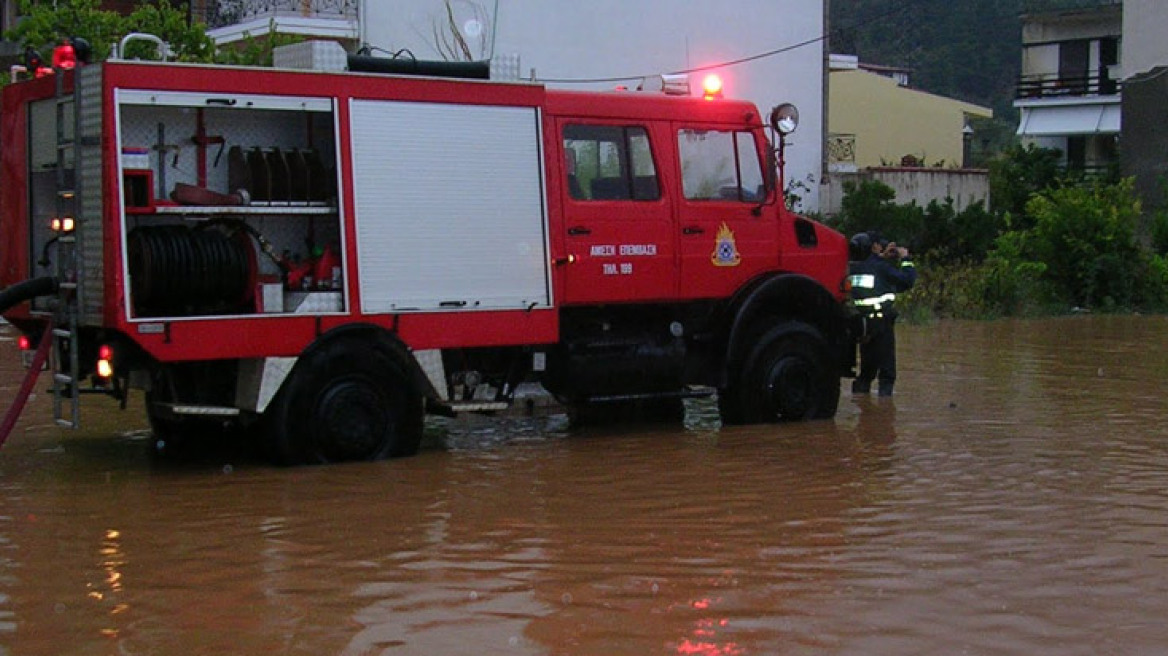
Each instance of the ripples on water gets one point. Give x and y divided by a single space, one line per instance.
1012 499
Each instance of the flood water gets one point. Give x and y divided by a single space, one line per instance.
1011 499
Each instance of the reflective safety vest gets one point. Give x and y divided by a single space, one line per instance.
874 286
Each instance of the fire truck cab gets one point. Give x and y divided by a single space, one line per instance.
324 257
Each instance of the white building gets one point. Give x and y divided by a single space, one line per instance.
607 42
1069 94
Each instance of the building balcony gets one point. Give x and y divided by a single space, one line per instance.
233 20
1061 86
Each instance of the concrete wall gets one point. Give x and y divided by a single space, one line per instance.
1145 22
564 39
1093 23
1145 141
891 121
920 185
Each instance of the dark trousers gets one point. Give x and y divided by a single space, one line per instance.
878 355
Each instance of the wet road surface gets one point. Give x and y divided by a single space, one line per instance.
1011 499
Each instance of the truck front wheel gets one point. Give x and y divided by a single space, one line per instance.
788 376
345 401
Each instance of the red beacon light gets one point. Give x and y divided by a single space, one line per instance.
712 87
23 343
64 56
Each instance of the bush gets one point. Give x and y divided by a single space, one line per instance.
1018 174
1086 238
952 236
969 290
870 205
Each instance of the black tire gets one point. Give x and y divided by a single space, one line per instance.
345 401
788 376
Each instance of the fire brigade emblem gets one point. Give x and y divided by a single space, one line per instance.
725 250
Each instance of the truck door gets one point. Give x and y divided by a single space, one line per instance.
728 230
617 219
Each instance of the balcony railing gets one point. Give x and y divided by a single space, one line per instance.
225 13
1056 86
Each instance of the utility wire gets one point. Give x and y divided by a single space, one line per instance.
898 7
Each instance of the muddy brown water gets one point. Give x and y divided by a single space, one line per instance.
1011 499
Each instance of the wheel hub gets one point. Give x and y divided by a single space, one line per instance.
352 421
791 388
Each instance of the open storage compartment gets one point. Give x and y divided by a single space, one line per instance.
229 204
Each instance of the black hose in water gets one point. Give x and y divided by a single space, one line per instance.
12 296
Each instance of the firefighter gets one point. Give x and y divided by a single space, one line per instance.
877 278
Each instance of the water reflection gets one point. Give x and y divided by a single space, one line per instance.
1011 499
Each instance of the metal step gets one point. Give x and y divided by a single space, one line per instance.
479 406
202 410
699 393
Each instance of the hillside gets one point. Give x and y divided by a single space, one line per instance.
965 50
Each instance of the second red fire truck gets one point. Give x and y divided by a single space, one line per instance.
326 256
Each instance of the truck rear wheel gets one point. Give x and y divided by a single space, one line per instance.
788 376
345 401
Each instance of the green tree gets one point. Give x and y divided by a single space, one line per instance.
871 205
1018 174
46 23
188 41
254 51
1086 238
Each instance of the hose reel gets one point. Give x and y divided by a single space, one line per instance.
176 270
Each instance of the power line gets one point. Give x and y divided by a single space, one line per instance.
898 7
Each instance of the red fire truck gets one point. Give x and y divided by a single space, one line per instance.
327 256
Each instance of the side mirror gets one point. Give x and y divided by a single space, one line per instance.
784 118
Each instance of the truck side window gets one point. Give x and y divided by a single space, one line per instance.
608 162
720 165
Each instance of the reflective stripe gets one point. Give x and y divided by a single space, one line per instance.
863 280
876 301
906 263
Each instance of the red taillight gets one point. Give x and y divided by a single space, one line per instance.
24 342
105 361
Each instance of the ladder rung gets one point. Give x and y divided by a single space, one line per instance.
66 423
62 145
67 285
61 332
64 379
